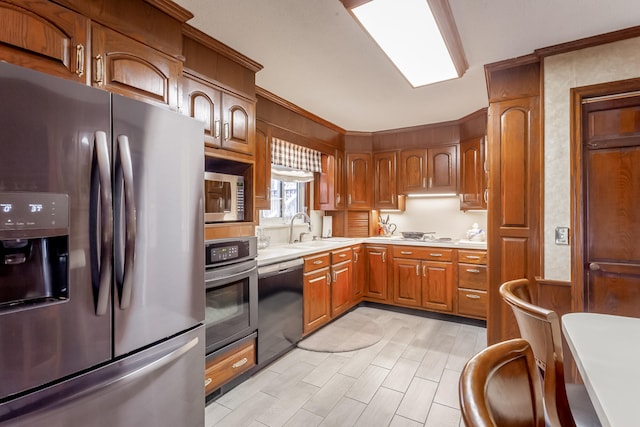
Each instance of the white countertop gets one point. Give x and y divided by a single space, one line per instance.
607 351
280 253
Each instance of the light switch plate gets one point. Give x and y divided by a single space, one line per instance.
562 235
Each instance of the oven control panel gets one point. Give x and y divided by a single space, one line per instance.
226 251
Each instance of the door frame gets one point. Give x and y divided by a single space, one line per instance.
578 96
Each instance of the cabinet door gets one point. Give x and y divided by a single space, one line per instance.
202 102
407 278
128 67
340 288
437 285
43 36
359 274
262 167
413 165
238 124
385 187
443 169
316 296
359 181
325 184
340 199
376 285
472 183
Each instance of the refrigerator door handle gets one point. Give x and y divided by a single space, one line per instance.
101 183
124 172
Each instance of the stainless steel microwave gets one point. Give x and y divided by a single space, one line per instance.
223 197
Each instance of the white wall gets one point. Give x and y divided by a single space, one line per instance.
442 215
600 64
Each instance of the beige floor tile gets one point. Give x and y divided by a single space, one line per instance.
417 400
247 389
344 414
304 418
443 416
432 365
323 372
247 413
366 386
399 421
447 393
381 410
401 375
329 395
214 412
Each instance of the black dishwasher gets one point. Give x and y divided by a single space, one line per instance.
279 309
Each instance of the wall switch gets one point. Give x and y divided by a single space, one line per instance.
562 235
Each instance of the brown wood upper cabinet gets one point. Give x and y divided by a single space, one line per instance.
385 193
429 170
359 181
128 67
229 121
324 185
472 174
262 167
43 36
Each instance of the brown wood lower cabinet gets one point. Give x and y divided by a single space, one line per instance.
228 365
420 282
359 274
316 292
376 281
472 283
341 277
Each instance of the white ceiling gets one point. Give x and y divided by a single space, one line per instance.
317 57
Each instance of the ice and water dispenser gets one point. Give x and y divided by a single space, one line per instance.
34 248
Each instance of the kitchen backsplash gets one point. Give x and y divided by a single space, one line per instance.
440 214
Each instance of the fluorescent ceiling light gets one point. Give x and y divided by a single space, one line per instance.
408 33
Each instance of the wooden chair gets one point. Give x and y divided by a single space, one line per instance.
500 386
566 405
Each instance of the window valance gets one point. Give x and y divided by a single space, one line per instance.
294 156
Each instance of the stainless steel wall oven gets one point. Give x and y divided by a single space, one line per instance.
231 290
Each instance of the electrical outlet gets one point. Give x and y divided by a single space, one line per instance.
562 235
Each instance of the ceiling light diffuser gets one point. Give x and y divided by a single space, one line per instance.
408 33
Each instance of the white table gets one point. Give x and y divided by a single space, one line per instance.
607 351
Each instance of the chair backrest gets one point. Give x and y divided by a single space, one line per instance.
500 386
541 328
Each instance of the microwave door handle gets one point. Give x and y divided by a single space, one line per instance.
101 190
124 172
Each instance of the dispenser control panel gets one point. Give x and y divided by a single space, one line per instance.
33 211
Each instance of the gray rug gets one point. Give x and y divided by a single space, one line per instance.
352 331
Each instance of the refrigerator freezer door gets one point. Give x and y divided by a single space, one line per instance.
161 386
47 141
162 293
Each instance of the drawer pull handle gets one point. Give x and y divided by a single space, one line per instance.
343 255
406 252
240 363
208 381
471 296
473 270
436 255
317 262
317 279
472 257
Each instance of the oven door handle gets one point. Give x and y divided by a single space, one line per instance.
223 279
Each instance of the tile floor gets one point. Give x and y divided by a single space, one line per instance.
409 378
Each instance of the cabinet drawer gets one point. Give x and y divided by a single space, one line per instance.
472 303
340 255
422 253
472 257
472 276
315 262
228 365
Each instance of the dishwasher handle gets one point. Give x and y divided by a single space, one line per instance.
280 268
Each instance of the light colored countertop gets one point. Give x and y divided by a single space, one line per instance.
279 253
607 350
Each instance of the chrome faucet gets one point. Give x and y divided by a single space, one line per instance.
307 220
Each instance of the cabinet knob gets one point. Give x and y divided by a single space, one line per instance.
594 266
216 129
417 270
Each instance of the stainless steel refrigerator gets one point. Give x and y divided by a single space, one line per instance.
101 258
